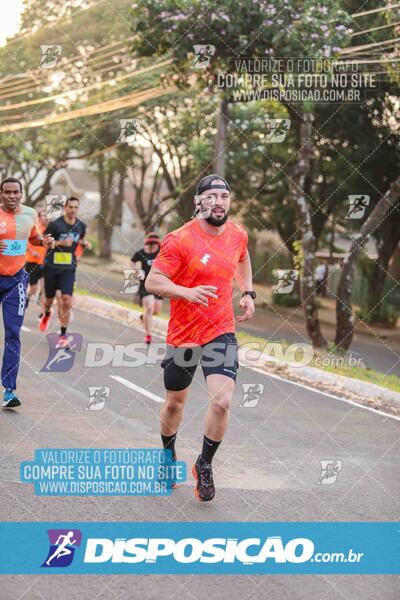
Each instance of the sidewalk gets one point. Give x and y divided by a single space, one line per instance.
327 312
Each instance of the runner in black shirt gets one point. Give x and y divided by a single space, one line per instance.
60 265
143 259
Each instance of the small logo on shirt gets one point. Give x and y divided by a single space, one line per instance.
3 227
205 259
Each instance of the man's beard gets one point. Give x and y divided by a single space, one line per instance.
217 221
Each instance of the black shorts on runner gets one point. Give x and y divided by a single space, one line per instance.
58 279
143 292
219 356
35 272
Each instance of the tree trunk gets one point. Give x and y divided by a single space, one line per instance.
386 246
344 313
296 190
220 140
105 234
184 208
394 267
105 226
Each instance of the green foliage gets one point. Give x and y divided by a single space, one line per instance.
384 313
286 300
293 28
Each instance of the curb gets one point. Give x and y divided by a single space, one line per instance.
348 384
355 387
115 312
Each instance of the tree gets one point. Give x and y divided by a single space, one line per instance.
34 160
296 187
389 202
257 30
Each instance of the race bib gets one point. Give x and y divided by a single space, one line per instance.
15 247
62 258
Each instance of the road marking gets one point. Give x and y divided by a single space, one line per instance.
306 387
23 328
141 390
317 391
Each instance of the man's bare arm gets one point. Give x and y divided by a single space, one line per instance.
244 275
158 283
46 241
244 279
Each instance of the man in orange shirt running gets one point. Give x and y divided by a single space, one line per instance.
35 258
196 267
17 226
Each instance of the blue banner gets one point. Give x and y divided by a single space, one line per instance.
103 472
195 548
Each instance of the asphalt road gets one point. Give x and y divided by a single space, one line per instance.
266 470
379 354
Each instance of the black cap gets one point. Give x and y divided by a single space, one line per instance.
206 184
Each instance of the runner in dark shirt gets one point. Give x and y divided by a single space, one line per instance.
60 265
143 259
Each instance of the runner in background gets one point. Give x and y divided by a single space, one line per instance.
60 266
34 261
143 259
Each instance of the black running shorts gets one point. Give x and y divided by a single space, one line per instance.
143 292
35 272
219 356
58 279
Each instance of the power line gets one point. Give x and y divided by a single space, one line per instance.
366 46
40 73
374 29
83 89
129 100
374 10
30 89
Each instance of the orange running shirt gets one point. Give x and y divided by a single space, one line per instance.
36 254
16 227
191 257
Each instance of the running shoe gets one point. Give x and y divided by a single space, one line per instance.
62 342
147 339
10 400
202 472
44 322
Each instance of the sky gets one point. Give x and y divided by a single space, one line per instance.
9 21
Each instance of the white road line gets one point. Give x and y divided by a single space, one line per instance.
306 387
340 398
141 390
23 328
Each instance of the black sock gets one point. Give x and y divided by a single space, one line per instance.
169 443
209 449
63 330
27 302
47 312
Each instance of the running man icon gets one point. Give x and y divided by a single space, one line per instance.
61 359
62 547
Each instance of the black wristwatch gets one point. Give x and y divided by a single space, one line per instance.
251 293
